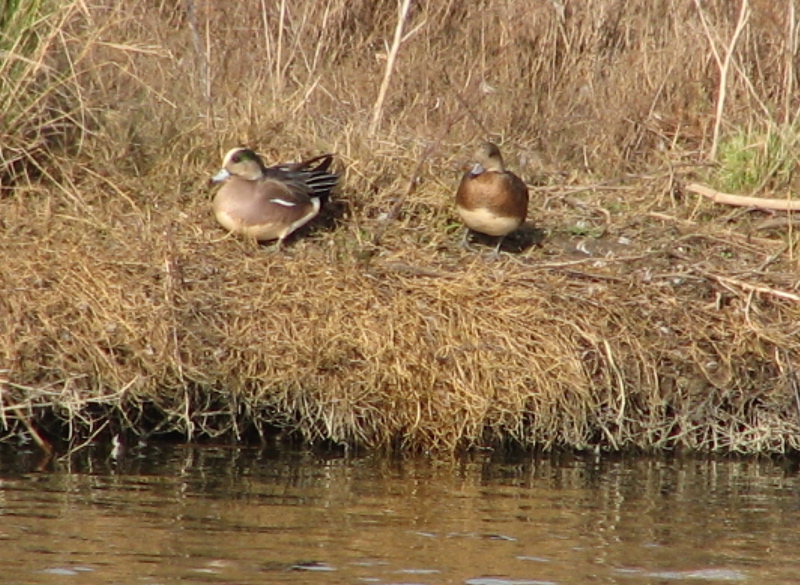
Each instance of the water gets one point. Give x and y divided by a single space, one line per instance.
224 515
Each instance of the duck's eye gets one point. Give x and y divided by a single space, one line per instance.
236 158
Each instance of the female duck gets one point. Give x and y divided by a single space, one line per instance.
490 199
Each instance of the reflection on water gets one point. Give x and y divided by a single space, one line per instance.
223 515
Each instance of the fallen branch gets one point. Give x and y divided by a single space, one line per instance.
744 200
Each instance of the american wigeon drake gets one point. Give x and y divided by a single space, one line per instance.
269 203
490 199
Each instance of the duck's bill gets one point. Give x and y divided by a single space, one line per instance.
220 176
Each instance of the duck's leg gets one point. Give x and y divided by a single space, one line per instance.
496 252
465 240
279 247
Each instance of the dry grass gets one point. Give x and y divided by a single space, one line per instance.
646 317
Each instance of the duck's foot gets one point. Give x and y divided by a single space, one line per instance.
464 243
495 255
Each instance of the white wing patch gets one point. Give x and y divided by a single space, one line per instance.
283 202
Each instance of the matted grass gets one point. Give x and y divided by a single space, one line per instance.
644 317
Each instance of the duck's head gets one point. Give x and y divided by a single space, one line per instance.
240 162
487 157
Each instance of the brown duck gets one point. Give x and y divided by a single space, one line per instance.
490 199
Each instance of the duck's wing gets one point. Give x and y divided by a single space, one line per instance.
308 175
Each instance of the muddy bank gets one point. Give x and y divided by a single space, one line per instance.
658 333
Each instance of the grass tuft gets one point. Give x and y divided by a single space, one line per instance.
750 160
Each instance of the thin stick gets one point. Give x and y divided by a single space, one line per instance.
387 76
743 200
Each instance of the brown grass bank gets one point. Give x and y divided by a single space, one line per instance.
645 317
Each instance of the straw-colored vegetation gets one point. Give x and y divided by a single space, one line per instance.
644 315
